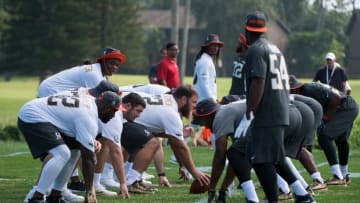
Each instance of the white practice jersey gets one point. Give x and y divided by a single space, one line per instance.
161 115
153 89
205 78
112 129
80 76
74 113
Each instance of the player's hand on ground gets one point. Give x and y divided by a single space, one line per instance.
124 193
97 146
203 178
163 181
90 197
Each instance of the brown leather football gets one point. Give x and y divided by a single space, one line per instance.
196 188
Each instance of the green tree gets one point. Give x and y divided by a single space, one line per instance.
52 35
227 20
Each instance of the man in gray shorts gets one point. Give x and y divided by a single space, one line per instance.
57 128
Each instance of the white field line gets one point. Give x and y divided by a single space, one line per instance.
14 154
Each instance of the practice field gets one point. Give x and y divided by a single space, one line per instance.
20 90
18 171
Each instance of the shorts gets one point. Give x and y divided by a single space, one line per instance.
40 137
317 111
293 136
266 144
134 136
240 144
342 120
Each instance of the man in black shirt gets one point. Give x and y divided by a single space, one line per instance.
267 99
332 74
238 84
339 113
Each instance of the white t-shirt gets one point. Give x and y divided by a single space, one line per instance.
112 130
147 88
80 76
74 114
161 115
205 74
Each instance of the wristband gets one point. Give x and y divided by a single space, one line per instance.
161 174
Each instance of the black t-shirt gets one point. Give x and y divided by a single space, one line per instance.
321 93
333 78
264 60
238 84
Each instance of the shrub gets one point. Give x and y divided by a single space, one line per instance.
11 133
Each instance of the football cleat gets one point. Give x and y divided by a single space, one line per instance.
318 186
76 186
101 190
110 183
71 197
30 194
334 180
304 199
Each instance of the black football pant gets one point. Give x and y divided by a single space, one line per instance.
342 144
266 173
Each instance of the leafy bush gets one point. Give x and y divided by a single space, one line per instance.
10 133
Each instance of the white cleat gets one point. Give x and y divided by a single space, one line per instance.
110 183
71 197
101 190
147 176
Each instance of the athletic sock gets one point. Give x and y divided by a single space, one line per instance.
60 156
108 170
249 191
344 170
335 169
296 172
282 184
97 177
132 176
298 188
317 176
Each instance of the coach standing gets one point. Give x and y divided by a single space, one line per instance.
267 98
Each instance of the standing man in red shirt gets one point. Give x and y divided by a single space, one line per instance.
168 71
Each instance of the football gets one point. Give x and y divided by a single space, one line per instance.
196 188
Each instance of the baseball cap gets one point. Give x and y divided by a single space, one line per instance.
206 107
212 39
111 99
112 53
255 22
103 86
330 55
294 83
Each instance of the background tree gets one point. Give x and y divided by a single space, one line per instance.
227 20
45 36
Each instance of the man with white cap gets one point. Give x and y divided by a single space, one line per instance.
332 74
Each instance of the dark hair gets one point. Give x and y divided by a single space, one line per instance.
184 90
134 99
169 45
202 50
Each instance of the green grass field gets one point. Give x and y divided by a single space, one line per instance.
18 171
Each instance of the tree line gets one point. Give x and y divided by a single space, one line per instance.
41 37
